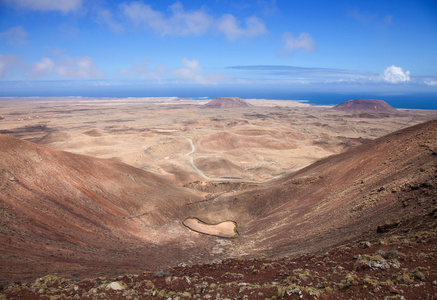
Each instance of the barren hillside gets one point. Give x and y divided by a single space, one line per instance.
68 213
378 198
337 199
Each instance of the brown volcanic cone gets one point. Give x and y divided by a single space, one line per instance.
62 213
367 105
226 102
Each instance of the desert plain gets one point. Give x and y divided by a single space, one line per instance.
102 186
255 143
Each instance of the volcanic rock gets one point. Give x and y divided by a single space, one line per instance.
366 105
226 102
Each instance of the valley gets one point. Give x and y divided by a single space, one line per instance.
108 187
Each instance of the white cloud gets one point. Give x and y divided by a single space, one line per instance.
64 6
190 72
304 41
7 63
228 24
395 74
158 72
15 35
193 72
190 22
366 18
143 71
180 22
80 67
431 82
105 17
43 67
195 22
141 13
269 6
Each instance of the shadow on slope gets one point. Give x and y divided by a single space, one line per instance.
68 213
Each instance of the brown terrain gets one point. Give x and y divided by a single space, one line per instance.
367 105
327 204
226 102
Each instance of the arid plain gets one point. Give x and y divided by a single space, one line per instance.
95 187
253 143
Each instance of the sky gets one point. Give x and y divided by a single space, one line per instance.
324 46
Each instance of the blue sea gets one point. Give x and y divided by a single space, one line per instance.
397 100
407 101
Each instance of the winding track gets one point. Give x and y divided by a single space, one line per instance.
193 150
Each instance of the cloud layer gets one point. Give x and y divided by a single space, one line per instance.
179 22
68 67
392 75
229 25
7 63
303 42
190 72
193 22
15 35
63 6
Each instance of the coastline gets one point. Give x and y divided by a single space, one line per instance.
180 100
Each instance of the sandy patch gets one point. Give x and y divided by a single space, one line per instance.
227 229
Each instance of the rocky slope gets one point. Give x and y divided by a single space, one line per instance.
402 266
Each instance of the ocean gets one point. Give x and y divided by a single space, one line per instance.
397 100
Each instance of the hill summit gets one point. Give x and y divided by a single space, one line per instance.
367 105
226 102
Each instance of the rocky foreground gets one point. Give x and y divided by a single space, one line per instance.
399 265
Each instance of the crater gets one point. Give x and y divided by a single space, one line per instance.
226 229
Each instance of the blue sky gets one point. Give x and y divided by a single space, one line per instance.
385 46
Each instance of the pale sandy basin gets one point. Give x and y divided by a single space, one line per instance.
227 229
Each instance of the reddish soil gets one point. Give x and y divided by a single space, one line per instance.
76 216
226 102
366 105
402 266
